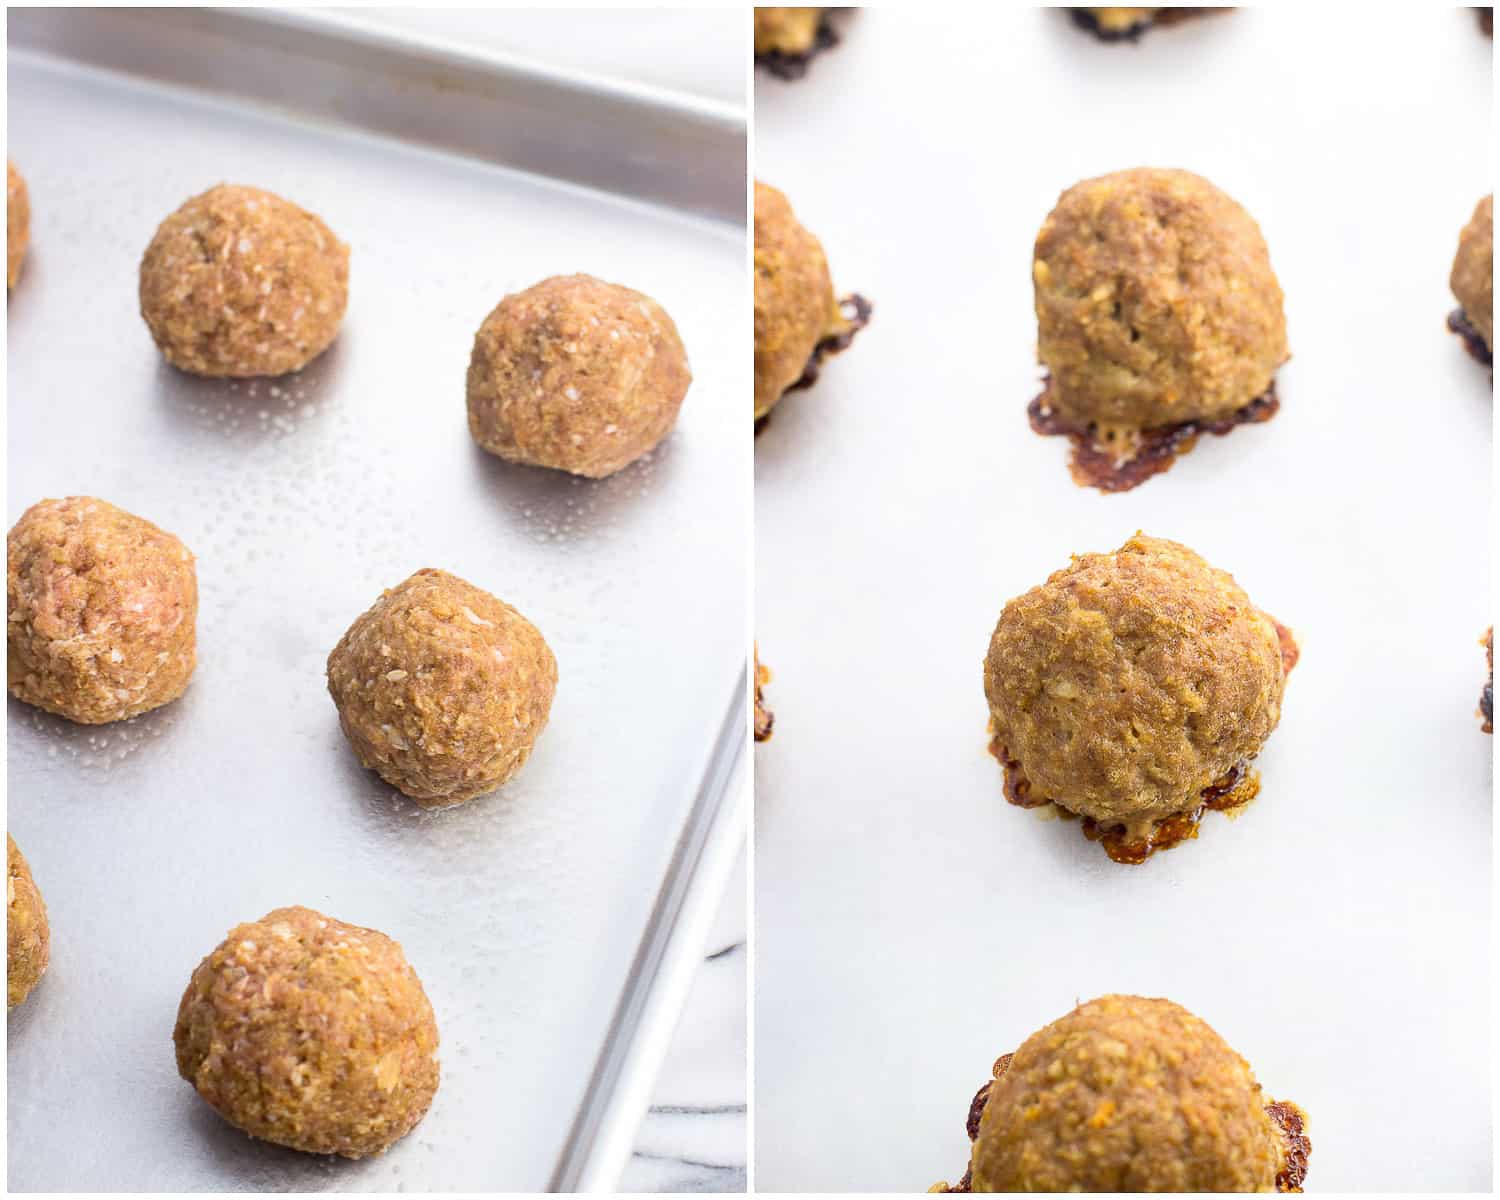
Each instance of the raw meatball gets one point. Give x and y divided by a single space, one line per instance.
795 308
1155 301
1126 1094
239 282
791 31
576 374
17 223
310 1033
1129 682
442 688
28 940
1473 277
101 609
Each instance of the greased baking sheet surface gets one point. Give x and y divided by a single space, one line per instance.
302 498
911 925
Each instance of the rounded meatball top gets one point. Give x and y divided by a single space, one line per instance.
1155 301
1127 1094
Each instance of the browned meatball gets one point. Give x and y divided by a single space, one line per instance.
1473 276
310 1033
1156 303
765 719
786 30
1487 695
1129 682
28 938
239 282
17 223
1113 23
1127 1094
442 689
101 611
576 374
795 308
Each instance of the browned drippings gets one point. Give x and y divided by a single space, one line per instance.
1459 323
856 312
765 719
1290 651
1095 465
1486 20
1487 696
786 65
1290 1122
1229 793
1163 17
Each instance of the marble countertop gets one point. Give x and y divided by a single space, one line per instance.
693 1138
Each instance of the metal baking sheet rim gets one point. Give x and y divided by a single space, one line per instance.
649 143
598 1141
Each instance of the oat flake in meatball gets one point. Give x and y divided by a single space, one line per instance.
1128 1094
17 223
1159 318
442 689
1473 282
101 611
797 319
240 283
28 939
1133 688
310 1033
576 374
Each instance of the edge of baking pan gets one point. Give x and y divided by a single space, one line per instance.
647 143
666 959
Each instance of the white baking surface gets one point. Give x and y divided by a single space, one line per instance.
910 924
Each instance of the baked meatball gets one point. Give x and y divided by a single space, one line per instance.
1113 24
310 1033
1128 24
1127 1094
1487 695
442 689
796 315
239 282
101 611
1129 683
576 374
791 31
1472 279
765 719
1156 303
17 223
28 939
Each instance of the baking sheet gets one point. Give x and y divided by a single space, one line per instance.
524 912
911 925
